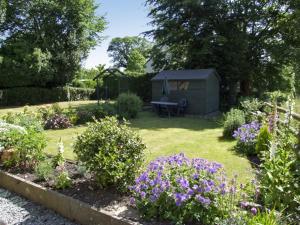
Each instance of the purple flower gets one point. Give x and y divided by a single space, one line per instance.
247 133
253 211
203 200
184 183
180 198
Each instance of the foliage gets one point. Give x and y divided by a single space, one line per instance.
36 95
58 122
247 138
265 218
184 190
26 119
129 105
252 108
33 56
9 134
62 180
234 119
248 42
276 96
264 139
130 53
279 174
58 159
44 170
111 151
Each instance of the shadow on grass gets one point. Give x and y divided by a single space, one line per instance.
150 121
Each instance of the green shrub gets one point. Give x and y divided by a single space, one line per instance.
251 108
113 152
26 119
129 105
44 170
263 140
84 116
234 119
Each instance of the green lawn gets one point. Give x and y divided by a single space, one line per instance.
298 104
163 136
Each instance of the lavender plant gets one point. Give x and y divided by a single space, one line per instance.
246 136
184 190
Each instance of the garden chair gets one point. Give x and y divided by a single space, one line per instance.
182 106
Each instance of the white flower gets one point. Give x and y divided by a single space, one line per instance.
6 127
60 147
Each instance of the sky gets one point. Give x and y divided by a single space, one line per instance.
125 18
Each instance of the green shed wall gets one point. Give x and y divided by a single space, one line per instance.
202 95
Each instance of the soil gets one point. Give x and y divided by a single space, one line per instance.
84 189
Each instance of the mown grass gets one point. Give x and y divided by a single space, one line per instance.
297 104
163 136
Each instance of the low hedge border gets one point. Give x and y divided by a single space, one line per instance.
36 95
68 207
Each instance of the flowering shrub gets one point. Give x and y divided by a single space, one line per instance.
247 138
58 122
182 190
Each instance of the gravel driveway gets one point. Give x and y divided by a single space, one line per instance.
17 210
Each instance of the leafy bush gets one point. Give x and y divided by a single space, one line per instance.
26 119
129 105
57 109
263 140
251 108
45 112
58 122
111 151
183 191
44 170
234 119
247 138
84 116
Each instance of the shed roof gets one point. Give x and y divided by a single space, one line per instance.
199 74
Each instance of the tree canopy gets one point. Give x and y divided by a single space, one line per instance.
248 42
44 41
130 53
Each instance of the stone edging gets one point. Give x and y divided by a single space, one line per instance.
66 206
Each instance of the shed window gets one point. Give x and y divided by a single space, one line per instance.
178 85
183 85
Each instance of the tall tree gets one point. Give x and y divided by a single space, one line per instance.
44 41
238 38
129 52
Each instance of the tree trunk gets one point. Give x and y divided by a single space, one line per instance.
245 87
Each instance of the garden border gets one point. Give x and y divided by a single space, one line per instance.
68 207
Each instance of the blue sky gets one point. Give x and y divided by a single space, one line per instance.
125 18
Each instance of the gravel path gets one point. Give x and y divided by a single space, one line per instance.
16 210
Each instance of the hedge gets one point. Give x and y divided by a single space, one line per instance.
35 95
140 85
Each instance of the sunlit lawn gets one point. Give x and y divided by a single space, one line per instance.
162 136
298 104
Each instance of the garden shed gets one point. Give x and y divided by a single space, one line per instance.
199 87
